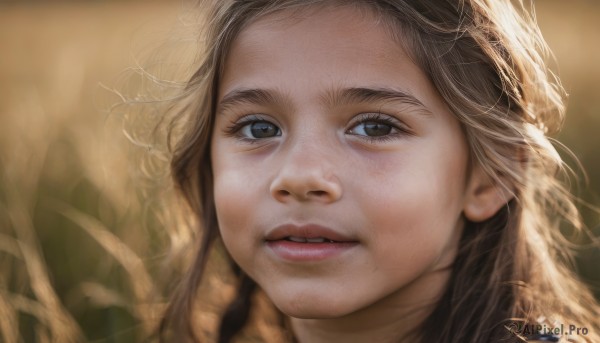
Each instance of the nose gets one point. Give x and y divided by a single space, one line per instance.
306 174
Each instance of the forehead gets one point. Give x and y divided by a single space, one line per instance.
319 49
316 33
326 18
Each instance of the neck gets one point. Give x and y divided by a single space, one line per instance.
395 318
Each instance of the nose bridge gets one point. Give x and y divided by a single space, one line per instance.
310 152
307 171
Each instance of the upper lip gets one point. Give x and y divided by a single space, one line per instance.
306 231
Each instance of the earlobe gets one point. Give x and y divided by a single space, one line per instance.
485 196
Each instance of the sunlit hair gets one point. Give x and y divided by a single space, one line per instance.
486 59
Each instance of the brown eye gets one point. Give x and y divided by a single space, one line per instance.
378 127
375 129
372 129
260 129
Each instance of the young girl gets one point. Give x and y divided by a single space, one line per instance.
381 171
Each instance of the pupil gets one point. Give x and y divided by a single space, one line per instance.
263 129
377 129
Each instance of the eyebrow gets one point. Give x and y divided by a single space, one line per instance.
373 95
332 98
251 96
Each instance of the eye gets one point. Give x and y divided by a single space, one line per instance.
372 129
260 129
377 126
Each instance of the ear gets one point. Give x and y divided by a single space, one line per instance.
485 196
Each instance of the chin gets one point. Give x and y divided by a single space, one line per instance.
316 312
312 308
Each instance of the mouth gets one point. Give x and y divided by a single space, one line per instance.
308 234
308 243
309 240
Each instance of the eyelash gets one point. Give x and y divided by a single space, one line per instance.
235 128
380 118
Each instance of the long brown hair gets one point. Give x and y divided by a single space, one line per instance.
486 59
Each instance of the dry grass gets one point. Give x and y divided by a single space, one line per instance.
74 251
81 241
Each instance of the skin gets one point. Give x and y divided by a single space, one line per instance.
403 198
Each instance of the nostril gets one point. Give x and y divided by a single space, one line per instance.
318 193
283 193
305 188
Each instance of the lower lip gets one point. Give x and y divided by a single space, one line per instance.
306 252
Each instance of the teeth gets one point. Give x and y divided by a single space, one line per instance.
316 240
297 239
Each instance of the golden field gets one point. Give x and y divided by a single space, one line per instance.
83 239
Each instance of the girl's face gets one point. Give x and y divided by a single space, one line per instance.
339 172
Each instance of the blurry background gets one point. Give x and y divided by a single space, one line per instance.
81 242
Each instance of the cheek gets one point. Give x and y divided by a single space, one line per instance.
232 196
415 216
232 187
235 194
